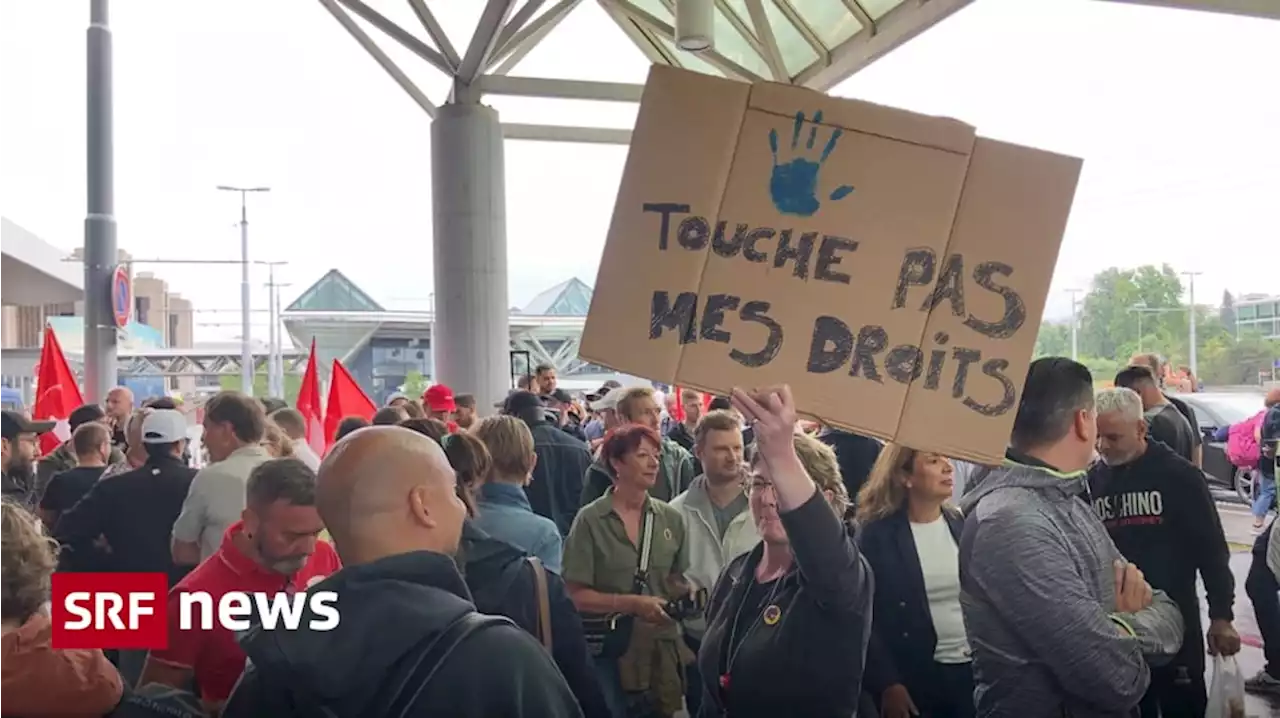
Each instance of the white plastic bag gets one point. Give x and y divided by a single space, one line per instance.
1226 695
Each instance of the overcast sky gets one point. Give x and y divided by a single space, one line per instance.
1174 112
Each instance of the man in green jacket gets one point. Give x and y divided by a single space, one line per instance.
64 457
639 405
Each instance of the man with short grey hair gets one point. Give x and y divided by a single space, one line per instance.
1158 511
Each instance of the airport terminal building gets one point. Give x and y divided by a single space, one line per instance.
384 348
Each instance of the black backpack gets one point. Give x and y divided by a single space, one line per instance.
405 691
154 700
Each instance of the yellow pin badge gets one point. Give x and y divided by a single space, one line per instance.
772 614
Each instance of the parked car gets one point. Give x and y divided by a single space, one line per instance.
1216 410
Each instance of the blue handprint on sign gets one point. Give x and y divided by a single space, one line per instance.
793 186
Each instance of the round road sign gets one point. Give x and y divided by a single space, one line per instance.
121 296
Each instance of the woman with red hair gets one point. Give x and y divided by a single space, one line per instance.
624 562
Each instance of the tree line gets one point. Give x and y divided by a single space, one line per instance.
1127 311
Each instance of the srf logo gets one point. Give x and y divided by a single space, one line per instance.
110 610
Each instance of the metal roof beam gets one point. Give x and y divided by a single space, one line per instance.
517 22
772 55
1269 9
483 40
437 33
513 50
380 57
561 89
399 34
562 133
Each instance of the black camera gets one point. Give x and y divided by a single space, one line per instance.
688 606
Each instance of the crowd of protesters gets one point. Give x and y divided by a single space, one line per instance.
634 555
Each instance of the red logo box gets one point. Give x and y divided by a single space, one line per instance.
110 610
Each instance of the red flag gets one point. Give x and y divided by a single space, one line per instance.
346 398
678 413
309 404
59 393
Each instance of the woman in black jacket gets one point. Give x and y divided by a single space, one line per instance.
918 662
787 624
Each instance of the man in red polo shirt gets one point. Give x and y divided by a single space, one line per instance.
273 548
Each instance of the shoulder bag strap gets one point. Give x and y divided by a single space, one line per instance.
646 548
429 660
544 600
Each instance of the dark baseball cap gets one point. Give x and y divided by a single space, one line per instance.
16 423
519 402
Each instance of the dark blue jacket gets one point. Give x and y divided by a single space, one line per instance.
902 635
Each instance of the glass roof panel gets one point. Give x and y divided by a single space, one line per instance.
831 21
797 53
878 8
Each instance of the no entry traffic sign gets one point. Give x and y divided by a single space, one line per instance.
121 296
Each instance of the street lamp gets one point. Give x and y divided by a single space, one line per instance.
1191 300
1075 325
246 348
1140 307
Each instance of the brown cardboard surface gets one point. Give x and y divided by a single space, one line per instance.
707 312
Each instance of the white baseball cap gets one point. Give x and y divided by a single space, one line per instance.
164 426
609 401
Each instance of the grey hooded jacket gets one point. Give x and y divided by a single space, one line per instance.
1037 574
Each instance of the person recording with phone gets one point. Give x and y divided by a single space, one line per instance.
788 622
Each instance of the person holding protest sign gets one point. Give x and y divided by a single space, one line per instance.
788 622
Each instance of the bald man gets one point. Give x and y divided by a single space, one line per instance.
389 499
119 406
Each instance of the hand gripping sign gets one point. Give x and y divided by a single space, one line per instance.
890 267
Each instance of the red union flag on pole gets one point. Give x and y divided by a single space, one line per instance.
309 404
346 398
58 394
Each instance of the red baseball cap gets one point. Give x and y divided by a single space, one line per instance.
439 397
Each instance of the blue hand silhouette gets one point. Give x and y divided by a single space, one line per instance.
793 186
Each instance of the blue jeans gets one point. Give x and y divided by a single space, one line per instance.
1266 494
611 686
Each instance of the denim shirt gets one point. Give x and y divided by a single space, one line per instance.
504 513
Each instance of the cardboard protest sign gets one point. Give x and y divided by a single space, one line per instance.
891 267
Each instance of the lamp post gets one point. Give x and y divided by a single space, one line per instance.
1191 300
246 346
1139 309
1075 325
100 256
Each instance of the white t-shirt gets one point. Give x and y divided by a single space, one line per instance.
940 564
303 452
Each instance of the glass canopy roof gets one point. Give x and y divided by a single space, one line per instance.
813 43
797 41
